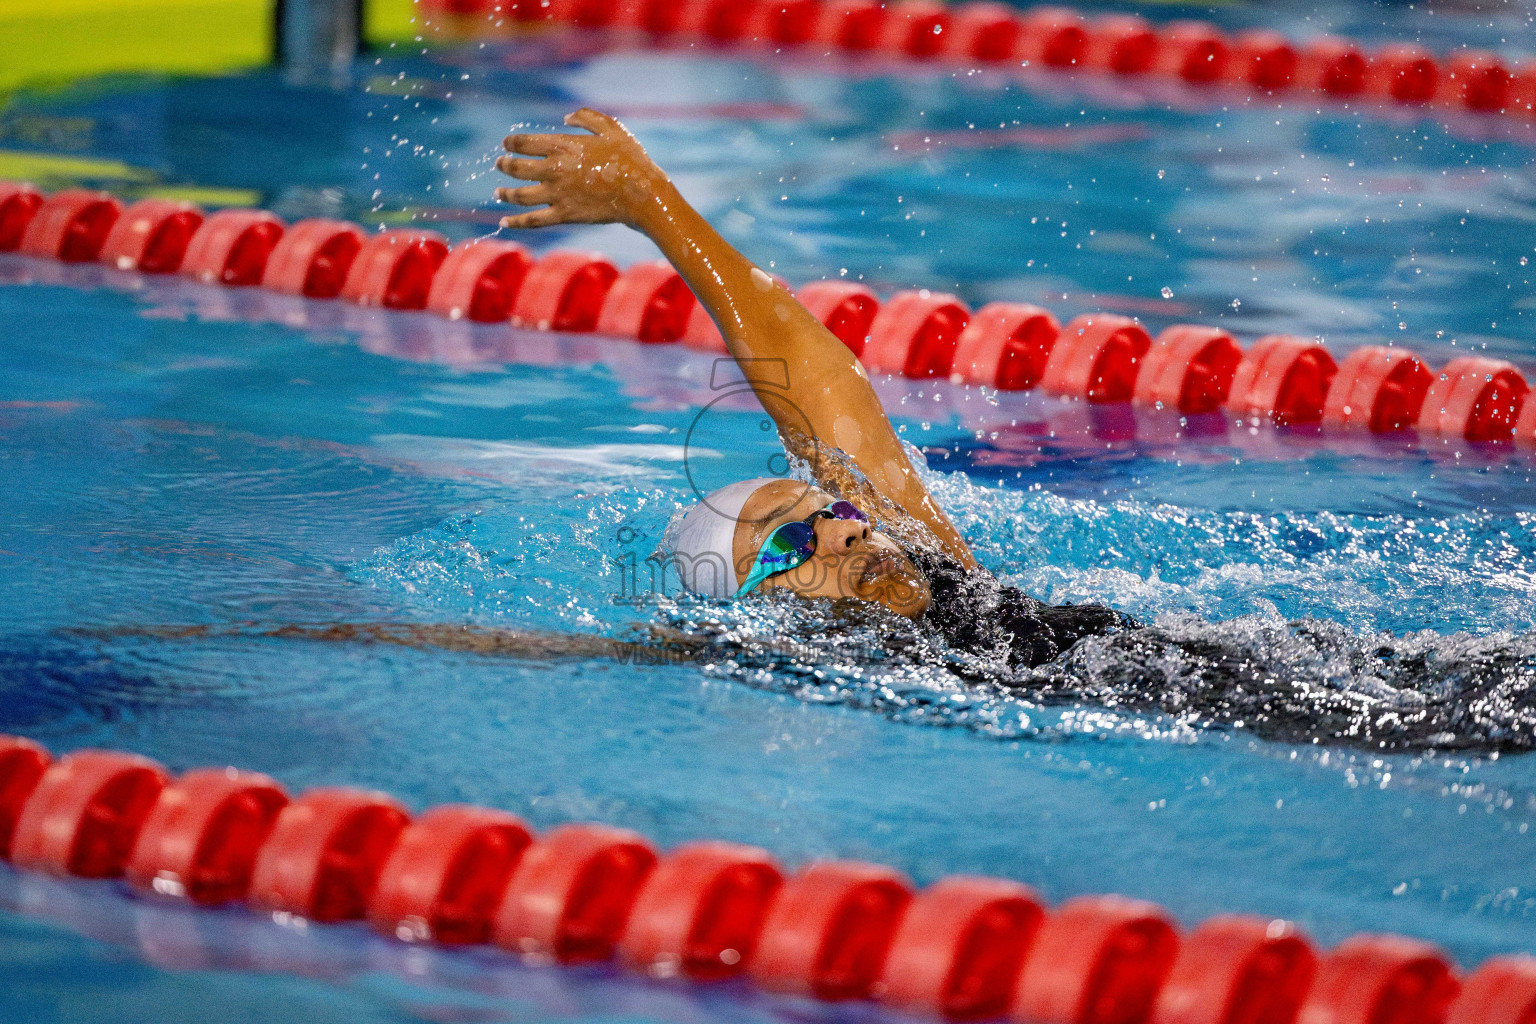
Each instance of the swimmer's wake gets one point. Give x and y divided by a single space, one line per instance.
1300 682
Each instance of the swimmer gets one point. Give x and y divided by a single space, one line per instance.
870 530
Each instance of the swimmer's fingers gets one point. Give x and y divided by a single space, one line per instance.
528 170
535 145
533 219
596 122
527 195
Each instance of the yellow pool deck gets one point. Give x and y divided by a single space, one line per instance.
52 42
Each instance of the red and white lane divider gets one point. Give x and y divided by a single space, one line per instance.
1193 52
963 948
1097 358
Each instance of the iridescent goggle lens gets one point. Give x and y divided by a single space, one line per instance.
793 543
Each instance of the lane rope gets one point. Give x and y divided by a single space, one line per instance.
1053 38
963 948
1097 358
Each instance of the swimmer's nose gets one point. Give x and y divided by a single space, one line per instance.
841 535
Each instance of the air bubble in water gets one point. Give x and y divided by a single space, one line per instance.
1167 292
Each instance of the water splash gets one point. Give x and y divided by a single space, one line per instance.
1310 628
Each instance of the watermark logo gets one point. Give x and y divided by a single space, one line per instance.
739 384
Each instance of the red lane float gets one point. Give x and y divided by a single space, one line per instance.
19 203
1525 426
232 248
657 17
151 236
71 226
1054 36
1096 358
1502 991
785 22
85 812
915 28
200 840
1404 73
571 896
1474 398
1237 970
394 269
966 948
700 912
531 10
1188 369
1005 345
1479 79
1195 51
447 874
959 948
588 13
915 334
1284 379
1379 388
850 24
1333 66
313 258
844 308
702 333
479 280
564 291
1522 90
1371 979
1122 44
322 858
1097 959
22 764
1263 59
828 932
723 21
649 302
982 31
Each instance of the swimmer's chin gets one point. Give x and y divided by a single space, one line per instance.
891 581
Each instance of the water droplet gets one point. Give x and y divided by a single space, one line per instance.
1167 292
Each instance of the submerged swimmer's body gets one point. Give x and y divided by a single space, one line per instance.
816 542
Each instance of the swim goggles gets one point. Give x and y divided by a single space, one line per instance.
793 543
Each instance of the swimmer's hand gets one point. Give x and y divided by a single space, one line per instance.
603 178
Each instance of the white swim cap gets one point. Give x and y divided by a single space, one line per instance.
699 541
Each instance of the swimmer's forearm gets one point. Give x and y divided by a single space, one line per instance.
758 318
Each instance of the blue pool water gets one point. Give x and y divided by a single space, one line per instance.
176 455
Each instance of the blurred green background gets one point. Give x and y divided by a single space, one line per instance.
45 42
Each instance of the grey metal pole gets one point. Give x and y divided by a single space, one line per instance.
317 40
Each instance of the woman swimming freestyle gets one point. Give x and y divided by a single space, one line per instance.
782 533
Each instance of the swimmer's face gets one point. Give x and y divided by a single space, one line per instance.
851 559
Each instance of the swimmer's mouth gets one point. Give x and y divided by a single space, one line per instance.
880 566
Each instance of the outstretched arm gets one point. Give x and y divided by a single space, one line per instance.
607 177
